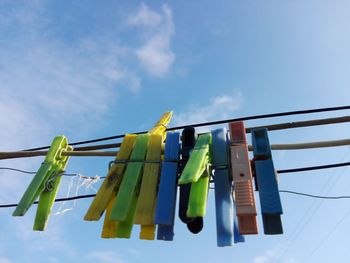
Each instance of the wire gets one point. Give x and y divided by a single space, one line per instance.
93 195
63 174
253 117
311 168
316 196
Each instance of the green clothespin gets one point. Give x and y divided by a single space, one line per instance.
45 183
197 172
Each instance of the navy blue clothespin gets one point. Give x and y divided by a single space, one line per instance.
188 140
166 202
226 229
270 201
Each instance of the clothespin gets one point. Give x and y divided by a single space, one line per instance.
45 183
112 181
150 183
161 126
124 206
188 140
242 178
130 180
225 224
145 207
166 201
197 172
270 201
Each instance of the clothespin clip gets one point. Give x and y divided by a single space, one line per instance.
125 204
270 201
45 183
166 201
225 224
197 173
188 139
146 203
150 183
112 181
242 178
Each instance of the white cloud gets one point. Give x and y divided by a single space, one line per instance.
104 257
155 54
273 255
220 107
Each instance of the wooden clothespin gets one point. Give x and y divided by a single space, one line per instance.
224 206
166 202
242 178
197 173
270 201
45 183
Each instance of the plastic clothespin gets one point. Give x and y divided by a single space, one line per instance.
149 184
270 201
130 179
197 172
145 207
166 202
225 223
188 139
45 183
242 178
161 126
112 181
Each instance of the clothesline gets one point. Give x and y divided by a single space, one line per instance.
246 118
296 146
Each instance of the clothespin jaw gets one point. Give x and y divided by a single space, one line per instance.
161 126
112 181
53 164
166 201
242 178
270 201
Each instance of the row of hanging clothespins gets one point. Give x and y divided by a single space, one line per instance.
151 169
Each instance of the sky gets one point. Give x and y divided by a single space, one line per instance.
89 69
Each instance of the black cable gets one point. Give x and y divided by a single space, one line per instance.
310 168
315 196
254 117
281 191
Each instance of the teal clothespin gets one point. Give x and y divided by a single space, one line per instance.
45 183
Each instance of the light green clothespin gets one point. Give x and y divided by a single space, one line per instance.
45 183
197 172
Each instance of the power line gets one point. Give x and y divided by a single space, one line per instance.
246 118
93 195
316 196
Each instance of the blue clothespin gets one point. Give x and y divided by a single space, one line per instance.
166 202
188 140
225 223
270 201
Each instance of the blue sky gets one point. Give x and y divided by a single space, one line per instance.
88 69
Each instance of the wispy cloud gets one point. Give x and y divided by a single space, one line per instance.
5 260
219 107
273 255
104 257
157 29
